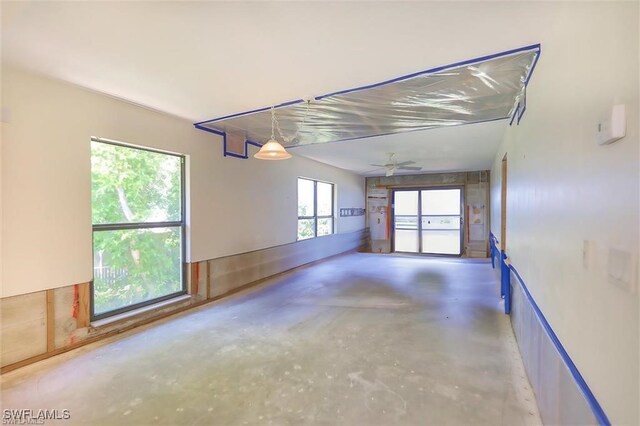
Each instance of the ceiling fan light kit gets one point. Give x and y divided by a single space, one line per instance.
392 165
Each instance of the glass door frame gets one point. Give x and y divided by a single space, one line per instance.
419 230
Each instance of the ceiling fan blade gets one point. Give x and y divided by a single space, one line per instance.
366 172
405 163
409 168
378 165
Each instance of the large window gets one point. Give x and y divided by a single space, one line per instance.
315 208
138 227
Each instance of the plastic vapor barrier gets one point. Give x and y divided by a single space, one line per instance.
484 89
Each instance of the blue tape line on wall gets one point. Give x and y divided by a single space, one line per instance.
597 410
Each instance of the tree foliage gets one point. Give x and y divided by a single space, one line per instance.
135 186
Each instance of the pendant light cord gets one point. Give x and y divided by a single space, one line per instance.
274 120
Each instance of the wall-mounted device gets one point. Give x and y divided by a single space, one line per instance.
351 212
612 127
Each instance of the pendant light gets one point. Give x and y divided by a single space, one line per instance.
272 150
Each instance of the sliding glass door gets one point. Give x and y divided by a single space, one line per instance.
428 221
440 218
406 235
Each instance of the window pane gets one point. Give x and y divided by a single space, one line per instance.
441 201
133 185
441 222
135 265
325 199
325 227
406 203
441 242
406 222
306 228
305 197
406 241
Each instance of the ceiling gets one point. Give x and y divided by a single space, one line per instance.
446 149
199 60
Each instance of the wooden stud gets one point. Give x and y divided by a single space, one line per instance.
83 305
194 278
466 235
51 324
208 289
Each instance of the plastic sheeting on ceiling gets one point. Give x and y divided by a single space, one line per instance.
482 89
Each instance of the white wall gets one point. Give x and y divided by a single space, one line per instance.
236 205
565 192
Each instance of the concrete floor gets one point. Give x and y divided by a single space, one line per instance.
360 339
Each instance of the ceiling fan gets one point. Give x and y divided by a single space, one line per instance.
392 165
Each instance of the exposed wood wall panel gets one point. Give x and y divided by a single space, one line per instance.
231 272
27 336
24 326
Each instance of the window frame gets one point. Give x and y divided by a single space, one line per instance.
181 224
315 216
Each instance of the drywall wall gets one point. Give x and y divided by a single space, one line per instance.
234 205
572 206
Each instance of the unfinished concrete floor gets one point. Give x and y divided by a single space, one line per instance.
360 339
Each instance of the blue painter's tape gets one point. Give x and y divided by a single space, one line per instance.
225 152
233 154
240 114
533 67
246 149
437 69
207 129
505 277
597 410
493 249
526 82
247 142
515 113
533 47
493 254
524 107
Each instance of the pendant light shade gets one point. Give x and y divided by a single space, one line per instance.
272 150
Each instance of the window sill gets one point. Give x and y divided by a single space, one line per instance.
140 312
